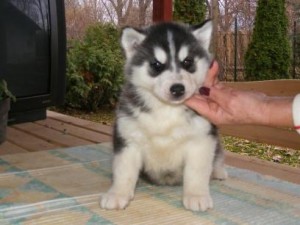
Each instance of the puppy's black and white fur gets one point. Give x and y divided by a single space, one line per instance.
155 133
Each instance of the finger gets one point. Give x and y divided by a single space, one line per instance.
199 104
212 75
204 107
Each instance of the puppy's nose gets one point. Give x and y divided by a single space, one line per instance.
177 90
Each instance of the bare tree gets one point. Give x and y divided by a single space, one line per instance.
243 10
122 9
128 12
209 10
224 13
215 18
143 6
80 14
94 10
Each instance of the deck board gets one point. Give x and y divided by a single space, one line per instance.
60 131
10 148
28 141
53 136
89 125
74 130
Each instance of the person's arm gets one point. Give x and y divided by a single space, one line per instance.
278 112
296 113
224 105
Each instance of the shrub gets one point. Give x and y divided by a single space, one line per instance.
94 71
5 92
268 54
189 11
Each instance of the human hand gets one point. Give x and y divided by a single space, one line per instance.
224 105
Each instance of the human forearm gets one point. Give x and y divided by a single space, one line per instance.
224 105
278 112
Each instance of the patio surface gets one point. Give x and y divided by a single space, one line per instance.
63 131
63 186
53 171
56 131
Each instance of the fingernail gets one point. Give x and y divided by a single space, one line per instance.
211 64
204 91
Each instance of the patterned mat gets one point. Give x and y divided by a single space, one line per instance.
63 187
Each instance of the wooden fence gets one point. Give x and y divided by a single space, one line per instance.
271 135
232 48
227 51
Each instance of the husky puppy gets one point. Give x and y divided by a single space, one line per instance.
155 133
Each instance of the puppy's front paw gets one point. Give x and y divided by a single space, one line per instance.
198 202
220 174
112 200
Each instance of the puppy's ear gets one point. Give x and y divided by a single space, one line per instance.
203 33
130 39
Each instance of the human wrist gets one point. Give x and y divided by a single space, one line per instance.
278 111
262 116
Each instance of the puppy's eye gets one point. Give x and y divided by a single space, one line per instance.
187 63
157 66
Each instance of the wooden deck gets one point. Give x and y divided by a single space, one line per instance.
56 131
61 131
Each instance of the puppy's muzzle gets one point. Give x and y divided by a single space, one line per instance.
177 90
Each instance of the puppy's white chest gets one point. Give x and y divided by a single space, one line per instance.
164 127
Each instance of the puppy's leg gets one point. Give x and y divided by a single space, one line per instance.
197 172
126 168
219 171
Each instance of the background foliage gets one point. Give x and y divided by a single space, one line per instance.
189 11
5 92
268 55
230 53
94 71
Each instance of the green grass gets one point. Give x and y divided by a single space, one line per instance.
262 151
237 145
104 116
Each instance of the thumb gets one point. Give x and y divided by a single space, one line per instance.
212 75
198 104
